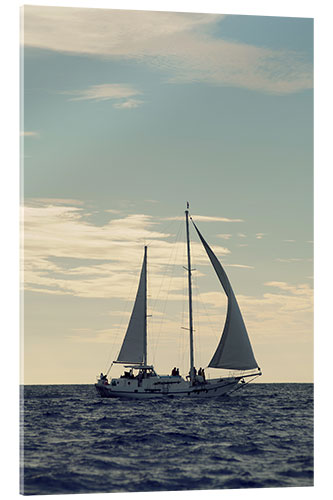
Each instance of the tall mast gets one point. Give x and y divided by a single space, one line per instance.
145 310
189 293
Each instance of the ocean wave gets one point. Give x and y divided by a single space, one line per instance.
76 442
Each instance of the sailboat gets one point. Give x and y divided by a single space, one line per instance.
234 351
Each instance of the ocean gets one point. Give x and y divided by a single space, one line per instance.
73 441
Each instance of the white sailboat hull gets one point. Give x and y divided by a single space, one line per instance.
158 387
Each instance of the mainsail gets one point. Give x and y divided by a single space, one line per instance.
134 348
234 351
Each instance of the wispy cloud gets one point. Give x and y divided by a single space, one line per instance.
65 253
208 218
286 311
275 319
293 259
122 94
184 46
224 236
45 202
128 104
303 289
26 133
242 266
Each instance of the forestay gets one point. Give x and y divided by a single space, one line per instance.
234 351
134 348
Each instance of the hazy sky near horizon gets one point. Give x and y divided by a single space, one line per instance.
127 115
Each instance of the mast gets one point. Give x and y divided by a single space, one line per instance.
189 293
145 311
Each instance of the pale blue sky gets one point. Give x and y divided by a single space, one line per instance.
218 112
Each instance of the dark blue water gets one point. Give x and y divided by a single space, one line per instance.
76 442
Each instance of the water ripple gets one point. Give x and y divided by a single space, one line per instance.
75 442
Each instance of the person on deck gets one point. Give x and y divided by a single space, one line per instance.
193 375
140 376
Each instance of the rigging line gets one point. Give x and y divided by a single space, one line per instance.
163 231
169 272
166 269
108 371
173 256
240 386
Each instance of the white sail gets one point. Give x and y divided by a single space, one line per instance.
134 348
234 351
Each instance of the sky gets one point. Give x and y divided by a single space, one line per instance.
128 115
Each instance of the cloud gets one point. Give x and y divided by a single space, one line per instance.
84 335
293 259
243 266
44 202
26 133
295 290
121 93
65 253
207 218
287 312
224 236
106 32
129 104
183 46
